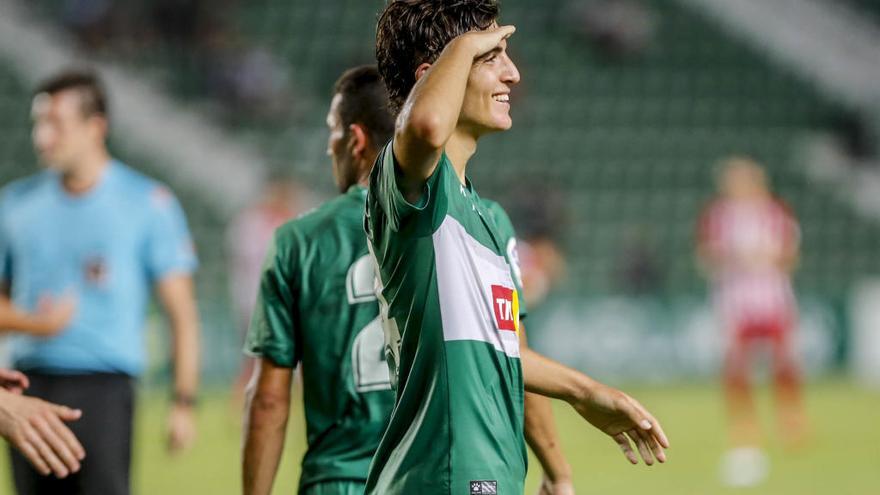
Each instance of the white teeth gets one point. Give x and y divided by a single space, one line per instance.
501 98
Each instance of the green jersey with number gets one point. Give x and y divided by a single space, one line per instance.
317 308
451 312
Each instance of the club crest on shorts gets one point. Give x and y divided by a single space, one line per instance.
505 305
484 487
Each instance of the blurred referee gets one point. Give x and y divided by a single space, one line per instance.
91 228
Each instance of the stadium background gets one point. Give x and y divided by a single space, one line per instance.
624 109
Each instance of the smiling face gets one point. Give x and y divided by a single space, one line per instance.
486 105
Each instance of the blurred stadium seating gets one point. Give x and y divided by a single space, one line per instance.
627 142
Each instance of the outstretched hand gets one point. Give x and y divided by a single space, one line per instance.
625 420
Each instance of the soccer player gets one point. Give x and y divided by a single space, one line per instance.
447 297
317 309
748 244
94 228
36 428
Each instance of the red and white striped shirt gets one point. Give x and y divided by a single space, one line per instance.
746 241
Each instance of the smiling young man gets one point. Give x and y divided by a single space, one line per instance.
317 310
449 303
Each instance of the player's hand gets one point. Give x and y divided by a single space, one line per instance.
624 420
181 428
13 381
53 315
558 487
484 41
36 428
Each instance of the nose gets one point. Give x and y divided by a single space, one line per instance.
511 73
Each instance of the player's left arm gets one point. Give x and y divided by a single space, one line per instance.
611 411
267 409
541 435
177 297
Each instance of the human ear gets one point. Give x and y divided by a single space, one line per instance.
358 140
421 69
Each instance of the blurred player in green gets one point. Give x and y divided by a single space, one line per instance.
448 299
317 308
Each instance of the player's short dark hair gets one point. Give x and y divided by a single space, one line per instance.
365 102
92 96
413 32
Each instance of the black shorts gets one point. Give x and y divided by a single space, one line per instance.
104 430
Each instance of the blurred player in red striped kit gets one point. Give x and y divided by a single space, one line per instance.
748 243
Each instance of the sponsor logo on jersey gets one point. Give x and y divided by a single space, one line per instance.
505 304
484 487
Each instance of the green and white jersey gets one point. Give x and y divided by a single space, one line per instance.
317 308
451 314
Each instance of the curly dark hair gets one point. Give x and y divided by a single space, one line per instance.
412 32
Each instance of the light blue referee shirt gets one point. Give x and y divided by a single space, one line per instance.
107 248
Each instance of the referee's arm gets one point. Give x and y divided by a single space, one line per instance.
177 297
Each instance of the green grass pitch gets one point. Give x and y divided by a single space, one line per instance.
843 457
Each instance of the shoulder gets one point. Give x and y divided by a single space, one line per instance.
21 193
712 212
713 206
314 221
499 216
144 189
782 207
25 186
494 208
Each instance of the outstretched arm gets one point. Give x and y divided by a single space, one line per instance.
265 423
430 114
613 412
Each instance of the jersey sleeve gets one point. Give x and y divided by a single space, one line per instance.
170 247
387 205
508 235
273 329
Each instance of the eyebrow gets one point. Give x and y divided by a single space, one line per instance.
495 51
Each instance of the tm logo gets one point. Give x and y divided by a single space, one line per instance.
505 304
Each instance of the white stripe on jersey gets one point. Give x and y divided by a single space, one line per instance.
466 272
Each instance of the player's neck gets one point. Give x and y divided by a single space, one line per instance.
82 178
460 148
